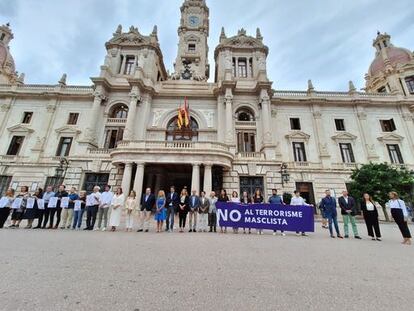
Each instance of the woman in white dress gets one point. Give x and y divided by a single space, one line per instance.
116 209
131 205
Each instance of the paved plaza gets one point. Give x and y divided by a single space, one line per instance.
77 270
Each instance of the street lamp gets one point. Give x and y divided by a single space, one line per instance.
284 174
60 172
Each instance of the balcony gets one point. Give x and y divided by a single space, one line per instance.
115 121
246 124
250 156
345 166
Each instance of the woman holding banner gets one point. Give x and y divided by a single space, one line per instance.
32 209
258 199
5 206
223 197
245 200
235 199
19 206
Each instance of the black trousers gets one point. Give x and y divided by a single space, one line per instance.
40 214
46 214
58 213
91 212
52 212
182 219
398 216
4 214
212 221
371 220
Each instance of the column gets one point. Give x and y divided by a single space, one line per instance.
123 65
207 178
228 100
132 111
266 114
139 180
320 134
195 179
144 117
126 178
90 132
158 183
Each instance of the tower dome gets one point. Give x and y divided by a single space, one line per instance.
387 65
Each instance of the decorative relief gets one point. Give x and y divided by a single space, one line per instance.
157 116
209 116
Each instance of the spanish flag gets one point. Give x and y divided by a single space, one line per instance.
183 119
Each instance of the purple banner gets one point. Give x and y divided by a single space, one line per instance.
266 216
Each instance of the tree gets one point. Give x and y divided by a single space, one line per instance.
378 179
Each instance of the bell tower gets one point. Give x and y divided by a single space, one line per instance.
192 57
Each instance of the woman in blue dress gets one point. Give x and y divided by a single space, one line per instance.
160 213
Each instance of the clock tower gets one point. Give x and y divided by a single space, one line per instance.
192 57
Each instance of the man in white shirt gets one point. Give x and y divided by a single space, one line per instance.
297 200
104 204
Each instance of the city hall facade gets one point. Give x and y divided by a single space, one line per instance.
242 133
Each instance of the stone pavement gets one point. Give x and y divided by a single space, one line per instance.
78 270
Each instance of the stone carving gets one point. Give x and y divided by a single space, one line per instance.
62 81
157 116
39 144
262 62
5 107
209 116
228 62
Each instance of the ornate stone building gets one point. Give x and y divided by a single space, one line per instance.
243 133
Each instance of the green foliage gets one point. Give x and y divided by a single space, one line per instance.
378 179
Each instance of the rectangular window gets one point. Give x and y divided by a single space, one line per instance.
234 67
340 124
295 124
64 146
15 145
410 84
191 47
388 125
395 154
246 142
129 64
299 152
250 184
347 153
242 68
73 118
95 179
113 136
2 36
27 117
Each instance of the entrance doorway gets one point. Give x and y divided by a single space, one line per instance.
306 191
162 176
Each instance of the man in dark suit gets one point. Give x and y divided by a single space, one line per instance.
147 205
328 207
348 211
194 206
171 205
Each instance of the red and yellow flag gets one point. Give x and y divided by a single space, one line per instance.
183 119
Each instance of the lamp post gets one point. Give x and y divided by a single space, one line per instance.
284 174
60 172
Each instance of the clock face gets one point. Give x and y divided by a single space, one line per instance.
193 21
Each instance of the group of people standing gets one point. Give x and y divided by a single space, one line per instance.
65 210
369 210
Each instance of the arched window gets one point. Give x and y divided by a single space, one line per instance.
119 112
175 133
245 115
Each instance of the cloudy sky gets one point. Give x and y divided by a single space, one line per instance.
328 41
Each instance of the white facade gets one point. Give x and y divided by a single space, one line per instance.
242 134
